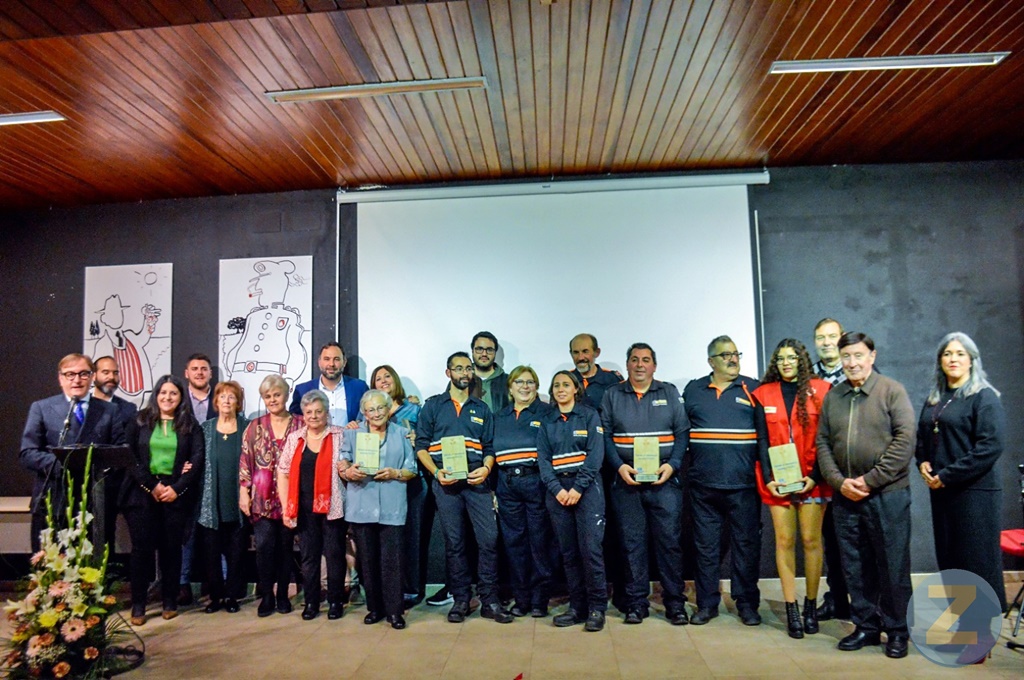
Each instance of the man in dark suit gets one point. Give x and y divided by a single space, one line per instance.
343 392
105 384
71 417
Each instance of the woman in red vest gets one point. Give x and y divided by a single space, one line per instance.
788 403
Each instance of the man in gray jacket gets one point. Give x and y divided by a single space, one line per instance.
866 436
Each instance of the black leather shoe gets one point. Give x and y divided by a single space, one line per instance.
703 615
810 621
859 639
310 611
595 622
231 605
827 610
794 626
539 612
410 601
284 605
373 617
336 610
749 616
896 646
396 621
214 606
458 612
518 611
677 617
634 617
266 607
568 618
496 613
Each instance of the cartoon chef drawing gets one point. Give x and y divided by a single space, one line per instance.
127 346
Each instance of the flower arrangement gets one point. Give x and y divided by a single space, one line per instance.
61 625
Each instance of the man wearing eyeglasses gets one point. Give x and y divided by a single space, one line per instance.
723 449
456 413
491 384
63 420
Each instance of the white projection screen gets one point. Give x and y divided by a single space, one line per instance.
669 267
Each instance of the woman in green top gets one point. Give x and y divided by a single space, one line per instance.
160 490
221 527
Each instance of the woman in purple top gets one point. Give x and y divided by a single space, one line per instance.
258 497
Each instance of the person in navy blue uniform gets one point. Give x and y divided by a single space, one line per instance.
645 407
589 374
524 523
723 489
570 452
457 413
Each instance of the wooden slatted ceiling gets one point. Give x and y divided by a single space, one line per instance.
164 98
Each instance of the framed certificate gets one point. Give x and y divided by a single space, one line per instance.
453 457
786 467
646 458
368 452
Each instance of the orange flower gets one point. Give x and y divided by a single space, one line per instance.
47 639
92 621
110 600
61 669
91 653
61 606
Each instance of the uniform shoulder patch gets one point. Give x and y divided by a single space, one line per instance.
478 421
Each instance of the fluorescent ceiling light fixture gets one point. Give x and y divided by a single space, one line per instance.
381 194
33 117
887 63
315 94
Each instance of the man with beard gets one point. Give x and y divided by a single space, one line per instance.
71 417
342 391
198 372
105 384
491 384
595 380
456 413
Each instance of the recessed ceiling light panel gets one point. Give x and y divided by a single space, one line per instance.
314 94
31 117
887 63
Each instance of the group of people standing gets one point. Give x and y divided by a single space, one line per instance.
605 452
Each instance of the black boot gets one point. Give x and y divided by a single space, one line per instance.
793 624
810 616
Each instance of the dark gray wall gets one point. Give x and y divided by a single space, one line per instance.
906 254
42 276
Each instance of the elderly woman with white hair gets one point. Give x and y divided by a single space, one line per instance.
376 503
960 438
312 500
258 496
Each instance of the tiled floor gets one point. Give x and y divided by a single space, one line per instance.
198 645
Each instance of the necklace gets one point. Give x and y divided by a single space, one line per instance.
937 415
318 435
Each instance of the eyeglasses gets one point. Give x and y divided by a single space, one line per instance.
374 410
725 356
485 350
524 383
81 375
459 370
787 360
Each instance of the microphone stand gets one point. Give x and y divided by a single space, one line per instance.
67 423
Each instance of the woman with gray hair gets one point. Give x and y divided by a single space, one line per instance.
960 437
312 500
376 504
258 497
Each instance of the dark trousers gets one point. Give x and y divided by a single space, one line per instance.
658 507
416 496
322 537
379 551
227 540
156 528
526 533
455 503
580 532
834 561
966 524
874 535
273 555
740 510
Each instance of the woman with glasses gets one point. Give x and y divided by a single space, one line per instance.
375 504
960 438
788 403
220 518
405 411
160 491
521 513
